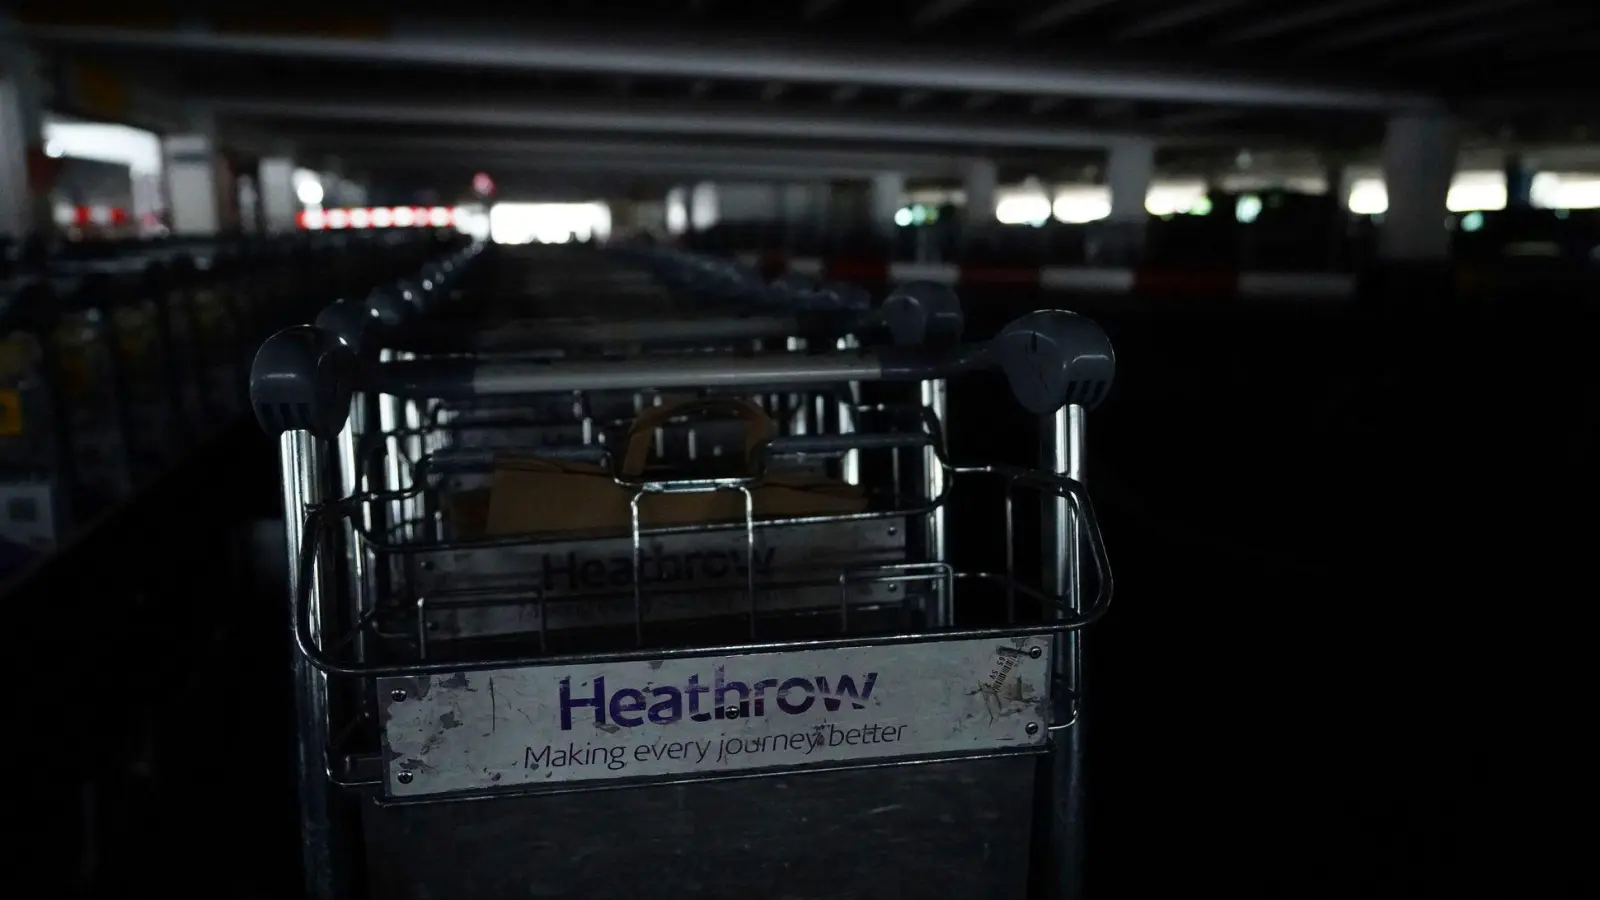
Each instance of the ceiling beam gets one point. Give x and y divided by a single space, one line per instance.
698 120
766 59
468 148
1385 28
1298 21
1153 25
641 166
1057 13
937 11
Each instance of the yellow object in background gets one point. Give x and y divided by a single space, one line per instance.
10 412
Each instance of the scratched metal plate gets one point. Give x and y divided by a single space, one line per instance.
518 728
482 591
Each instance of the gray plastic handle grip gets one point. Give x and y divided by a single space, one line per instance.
301 380
352 323
1053 358
391 307
924 314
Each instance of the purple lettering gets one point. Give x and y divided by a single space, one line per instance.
695 690
569 703
668 708
761 694
847 688
625 706
723 689
800 684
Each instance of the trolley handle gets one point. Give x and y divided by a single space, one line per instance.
1050 358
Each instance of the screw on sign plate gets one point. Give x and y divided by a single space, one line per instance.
1035 652
405 777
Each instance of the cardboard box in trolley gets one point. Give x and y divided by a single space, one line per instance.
531 495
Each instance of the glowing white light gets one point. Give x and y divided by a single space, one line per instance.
404 217
314 219
1368 197
902 217
1563 192
1472 191
309 191
360 218
1080 205
439 217
1022 209
546 223
1247 208
338 218
382 217
1171 199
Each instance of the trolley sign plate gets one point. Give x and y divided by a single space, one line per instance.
518 728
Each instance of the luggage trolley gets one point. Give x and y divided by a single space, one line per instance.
921 314
859 750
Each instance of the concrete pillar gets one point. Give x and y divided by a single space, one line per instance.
980 179
335 191
249 205
352 192
888 197
192 191
1336 174
1130 165
275 187
747 202
1519 182
1419 161
24 199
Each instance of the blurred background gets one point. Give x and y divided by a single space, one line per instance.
1348 252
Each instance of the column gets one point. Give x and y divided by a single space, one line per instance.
1336 175
192 192
335 189
888 197
980 178
24 194
1130 166
249 205
1519 182
1419 161
352 192
275 187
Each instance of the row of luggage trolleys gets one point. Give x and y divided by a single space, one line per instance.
660 602
109 370
113 367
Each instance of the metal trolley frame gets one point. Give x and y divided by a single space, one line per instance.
981 697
